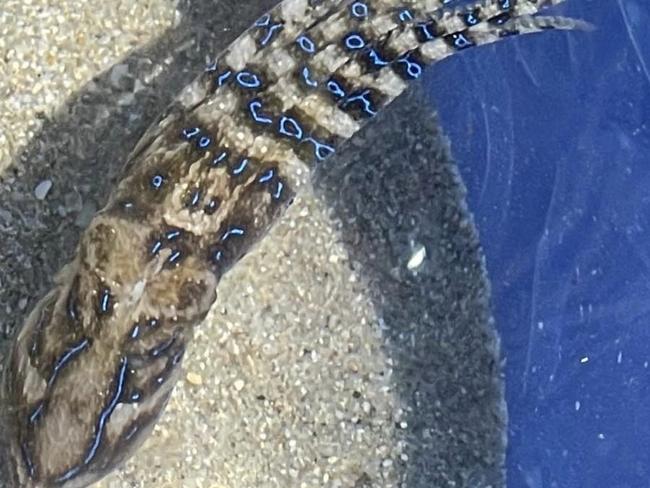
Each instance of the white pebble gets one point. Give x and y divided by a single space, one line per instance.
42 189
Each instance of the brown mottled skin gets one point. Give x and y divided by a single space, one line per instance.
96 361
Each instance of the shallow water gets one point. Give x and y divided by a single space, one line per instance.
552 137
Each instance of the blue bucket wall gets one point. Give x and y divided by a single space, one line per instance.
552 136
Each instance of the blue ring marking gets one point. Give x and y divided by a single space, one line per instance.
157 181
253 107
233 231
413 69
263 21
196 196
242 166
173 234
34 416
306 77
223 78
278 190
270 33
248 79
404 15
335 88
157 246
135 332
321 151
204 142
426 31
359 10
505 4
152 323
190 133
212 206
376 58
459 40
65 358
306 44
105 301
134 397
266 177
211 68
289 127
366 102
354 42
218 159
471 18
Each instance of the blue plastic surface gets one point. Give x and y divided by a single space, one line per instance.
552 135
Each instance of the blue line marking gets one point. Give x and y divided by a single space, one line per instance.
196 196
413 69
190 133
278 190
216 256
254 106
425 31
269 34
321 151
36 413
376 58
405 15
156 247
267 176
105 301
135 332
174 257
218 159
223 78
106 413
366 103
65 358
173 234
233 231
242 166
306 77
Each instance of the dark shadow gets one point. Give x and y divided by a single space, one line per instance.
392 188
394 184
